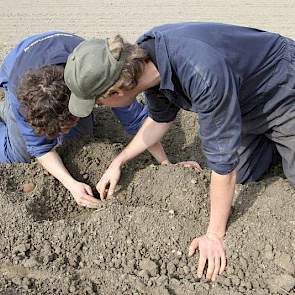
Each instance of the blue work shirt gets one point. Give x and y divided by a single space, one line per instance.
47 49
219 71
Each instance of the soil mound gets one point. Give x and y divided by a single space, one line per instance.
137 241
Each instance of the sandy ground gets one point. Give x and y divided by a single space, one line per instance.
136 243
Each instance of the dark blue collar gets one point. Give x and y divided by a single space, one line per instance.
161 57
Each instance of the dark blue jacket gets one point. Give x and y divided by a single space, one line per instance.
47 49
219 71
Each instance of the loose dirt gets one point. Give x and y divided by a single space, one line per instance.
137 241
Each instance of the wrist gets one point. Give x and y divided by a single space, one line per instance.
68 182
216 234
165 162
119 161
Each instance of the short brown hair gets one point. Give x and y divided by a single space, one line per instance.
133 67
44 99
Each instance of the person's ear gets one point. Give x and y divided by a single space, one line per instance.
98 101
120 92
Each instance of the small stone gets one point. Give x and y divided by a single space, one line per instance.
73 289
224 281
285 261
28 187
240 274
230 270
255 284
206 287
150 266
174 282
57 250
244 263
255 254
247 285
144 274
22 248
234 256
31 262
131 265
242 289
178 253
27 283
171 268
96 261
16 281
85 176
171 212
139 285
162 280
279 282
186 270
193 181
150 283
160 291
235 280
268 252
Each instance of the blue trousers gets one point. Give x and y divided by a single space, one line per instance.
271 136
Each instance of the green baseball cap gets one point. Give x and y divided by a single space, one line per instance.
90 71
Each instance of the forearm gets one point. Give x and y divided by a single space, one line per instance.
221 196
158 152
52 162
148 136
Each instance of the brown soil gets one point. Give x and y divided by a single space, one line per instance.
136 242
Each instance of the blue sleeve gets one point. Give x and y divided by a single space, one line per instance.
212 86
36 145
9 60
131 117
160 109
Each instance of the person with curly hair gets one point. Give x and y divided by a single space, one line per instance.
34 115
240 81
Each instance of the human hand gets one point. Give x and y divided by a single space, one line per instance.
106 185
83 195
212 249
190 164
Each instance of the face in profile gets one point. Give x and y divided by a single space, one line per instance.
67 126
122 98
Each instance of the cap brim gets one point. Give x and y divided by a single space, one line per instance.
81 107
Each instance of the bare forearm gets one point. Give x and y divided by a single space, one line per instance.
221 196
148 136
158 152
52 162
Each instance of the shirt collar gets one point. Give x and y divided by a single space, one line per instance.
162 58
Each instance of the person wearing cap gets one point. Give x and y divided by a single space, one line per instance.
240 81
34 115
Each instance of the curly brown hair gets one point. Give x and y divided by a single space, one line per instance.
44 99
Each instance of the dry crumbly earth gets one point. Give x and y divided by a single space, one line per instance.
136 242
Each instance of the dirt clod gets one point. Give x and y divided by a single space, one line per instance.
28 187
